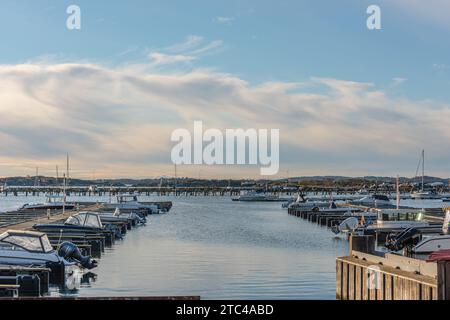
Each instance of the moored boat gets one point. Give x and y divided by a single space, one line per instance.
53 202
28 248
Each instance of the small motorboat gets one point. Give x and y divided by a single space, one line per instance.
84 222
257 196
118 216
303 203
425 195
53 202
420 242
28 248
374 200
131 203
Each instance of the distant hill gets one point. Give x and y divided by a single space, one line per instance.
185 181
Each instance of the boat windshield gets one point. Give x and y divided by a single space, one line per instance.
400 216
85 220
28 242
54 198
46 244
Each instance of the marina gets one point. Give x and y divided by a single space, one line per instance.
213 247
47 245
120 225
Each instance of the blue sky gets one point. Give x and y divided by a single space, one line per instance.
256 42
264 41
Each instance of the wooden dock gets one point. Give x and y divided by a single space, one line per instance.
366 274
368 277
19 220
23 281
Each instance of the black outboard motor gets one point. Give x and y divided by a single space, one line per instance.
141 220
115 231
70 251
407 238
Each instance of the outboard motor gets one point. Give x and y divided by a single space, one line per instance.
407 238
115 230
140 220
70 251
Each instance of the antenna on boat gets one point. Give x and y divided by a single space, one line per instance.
67 168
423 169
57 174
64 195
398 192
176 182
36 179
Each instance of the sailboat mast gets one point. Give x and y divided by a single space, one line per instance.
67 169
423 168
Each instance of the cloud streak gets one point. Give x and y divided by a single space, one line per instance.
118 120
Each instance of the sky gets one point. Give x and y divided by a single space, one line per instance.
347 100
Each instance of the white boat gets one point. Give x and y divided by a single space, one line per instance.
302 203
374 200
430 243
396 220
422 194
117 216
257 196
131 203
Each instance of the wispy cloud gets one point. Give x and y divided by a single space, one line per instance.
189 43
120 119
398 81
224 20
213 46
187 51
162 59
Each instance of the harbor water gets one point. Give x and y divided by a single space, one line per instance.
217 249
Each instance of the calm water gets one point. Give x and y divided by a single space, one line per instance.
218 249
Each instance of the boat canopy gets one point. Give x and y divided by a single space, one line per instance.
54 198
85 219
400 215
28 240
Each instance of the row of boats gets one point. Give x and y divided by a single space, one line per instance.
54 245
404 229
362 199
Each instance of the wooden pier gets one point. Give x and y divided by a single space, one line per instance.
367 274
369 277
